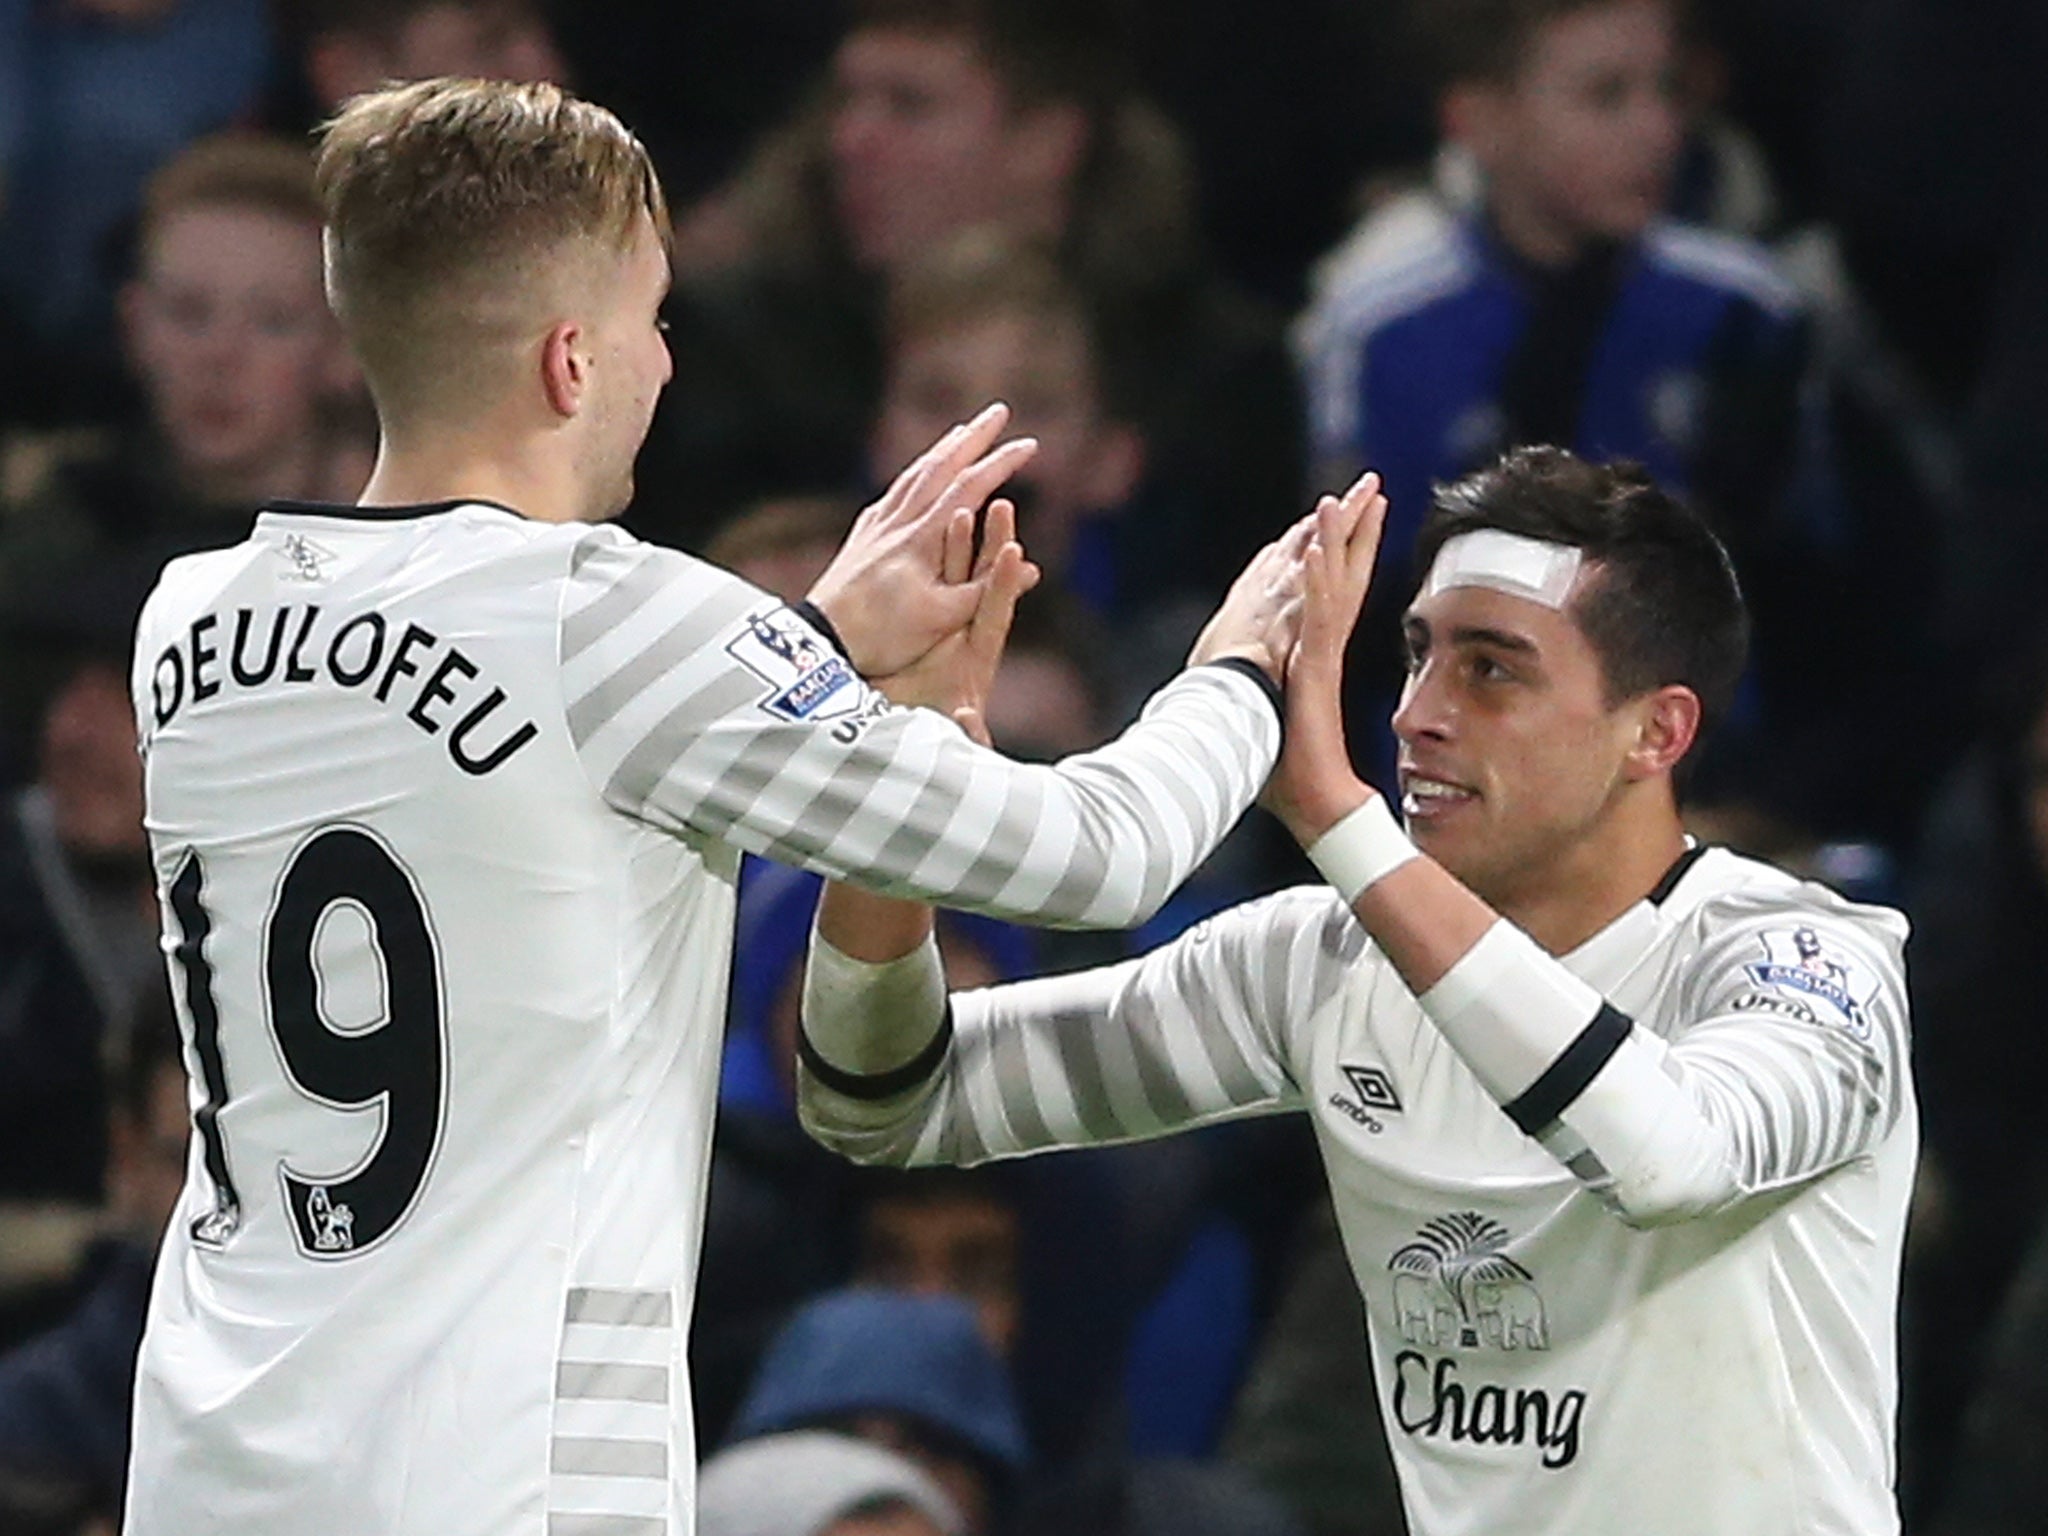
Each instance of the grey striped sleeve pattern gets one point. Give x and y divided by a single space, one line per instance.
676 705
1205 1028
1796 1084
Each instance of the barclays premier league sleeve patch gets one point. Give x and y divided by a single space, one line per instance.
1799 973
806 678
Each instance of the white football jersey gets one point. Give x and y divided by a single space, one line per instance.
446 807
1546 1364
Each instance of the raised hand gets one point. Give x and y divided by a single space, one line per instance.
1314 783
886 591
955 675
1260 616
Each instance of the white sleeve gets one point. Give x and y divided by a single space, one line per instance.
1788 1058
1196 1031
703 706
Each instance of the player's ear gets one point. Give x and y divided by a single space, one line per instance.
1666 723
565 368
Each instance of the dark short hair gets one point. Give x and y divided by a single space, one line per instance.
1042 50
1472 41
1664 607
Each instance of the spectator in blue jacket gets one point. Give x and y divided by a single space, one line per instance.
1563 307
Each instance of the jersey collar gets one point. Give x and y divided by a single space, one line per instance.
288 507
1604 959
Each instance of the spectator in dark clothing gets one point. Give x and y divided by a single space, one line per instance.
64 1397
250 388
946 1232
1998 1485
95 95
1998 548
1277 181
345 47
1979 978
1307 1425
941 117
1932 128
778 1228
699 83
77 911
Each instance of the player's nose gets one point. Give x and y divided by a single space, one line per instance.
1424 711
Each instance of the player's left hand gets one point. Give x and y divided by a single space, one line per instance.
1314 784
954 676
886 590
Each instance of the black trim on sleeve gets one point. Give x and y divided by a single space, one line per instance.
871 1086
1680 868
814 616
1259 675
1566 1078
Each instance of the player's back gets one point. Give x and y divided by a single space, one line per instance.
454 1025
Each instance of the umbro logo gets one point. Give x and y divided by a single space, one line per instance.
1374 1088
1375 1097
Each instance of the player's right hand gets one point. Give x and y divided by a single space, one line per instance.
955 676
1314 782
1260 617
887 590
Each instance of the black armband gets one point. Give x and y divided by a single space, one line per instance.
1259 675
871 1086
1570 1075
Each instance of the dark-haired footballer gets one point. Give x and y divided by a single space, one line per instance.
1619 1128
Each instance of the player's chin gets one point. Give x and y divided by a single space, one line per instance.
614 506
1452 842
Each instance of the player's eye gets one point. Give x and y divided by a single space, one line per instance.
1487 670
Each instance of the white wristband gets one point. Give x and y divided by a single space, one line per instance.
1362 849
865 1018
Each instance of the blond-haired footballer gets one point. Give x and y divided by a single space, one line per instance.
447 791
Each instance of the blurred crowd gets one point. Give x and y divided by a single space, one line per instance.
1790 254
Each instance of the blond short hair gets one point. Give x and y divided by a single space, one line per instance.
233 170
448 203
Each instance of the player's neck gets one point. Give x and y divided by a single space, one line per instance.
437 468
1599 877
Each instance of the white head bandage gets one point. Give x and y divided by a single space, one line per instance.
1507 562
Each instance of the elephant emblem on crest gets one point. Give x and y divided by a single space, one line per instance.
1456 1287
